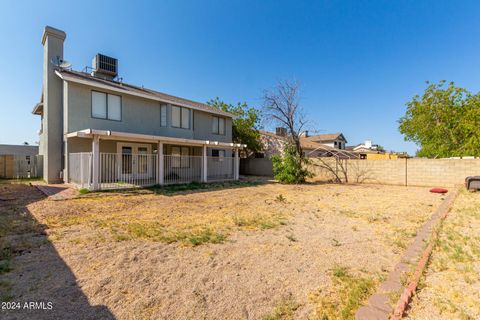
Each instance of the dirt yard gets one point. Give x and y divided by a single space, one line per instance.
265 251
451 286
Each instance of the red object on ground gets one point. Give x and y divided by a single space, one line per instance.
438 190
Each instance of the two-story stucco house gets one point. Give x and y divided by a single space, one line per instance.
99 132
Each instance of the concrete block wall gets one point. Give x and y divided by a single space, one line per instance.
412 172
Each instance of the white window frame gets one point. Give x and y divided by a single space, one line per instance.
216 125
107 117
183 113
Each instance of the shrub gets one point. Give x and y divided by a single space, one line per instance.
83 191
290 168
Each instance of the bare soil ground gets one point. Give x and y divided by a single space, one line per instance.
451 286
266 251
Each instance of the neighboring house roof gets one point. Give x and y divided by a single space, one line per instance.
87 79
18 149
306 143
271 134
327 137
310 147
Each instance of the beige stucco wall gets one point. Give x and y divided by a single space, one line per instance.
412 172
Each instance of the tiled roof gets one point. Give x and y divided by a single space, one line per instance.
325 137
139 90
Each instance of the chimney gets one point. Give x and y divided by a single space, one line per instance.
368 144
304 134
52 137
281 132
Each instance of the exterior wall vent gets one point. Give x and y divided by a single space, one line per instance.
105 66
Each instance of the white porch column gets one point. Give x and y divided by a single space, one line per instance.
160 165
95 162
66 160
236 174
204 163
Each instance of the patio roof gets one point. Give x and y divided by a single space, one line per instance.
127 136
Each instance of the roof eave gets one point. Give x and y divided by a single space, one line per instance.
38 109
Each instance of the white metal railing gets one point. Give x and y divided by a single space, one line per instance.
119 171
123 171
182 169
79 169
220 168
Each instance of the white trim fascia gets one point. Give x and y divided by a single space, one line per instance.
145 96
127 136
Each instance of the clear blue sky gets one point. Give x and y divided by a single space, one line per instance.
359 62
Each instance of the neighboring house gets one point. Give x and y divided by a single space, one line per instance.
273 143
333 140
312 146
370 151
98 132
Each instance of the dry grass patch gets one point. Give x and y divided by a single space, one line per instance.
275 239
451 287
191 219
285 310
345 295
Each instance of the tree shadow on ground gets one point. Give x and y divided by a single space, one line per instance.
34 279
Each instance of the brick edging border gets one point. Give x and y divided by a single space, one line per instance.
379 306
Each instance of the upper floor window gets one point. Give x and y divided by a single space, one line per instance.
163 115
218 125
106 106
180 117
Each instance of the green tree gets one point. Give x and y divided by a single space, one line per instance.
444 121
245 123
290 167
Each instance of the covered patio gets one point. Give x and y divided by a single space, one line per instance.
102 160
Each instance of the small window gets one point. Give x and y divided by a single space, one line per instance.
180 117
106 106
218 125
163 115
220 154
